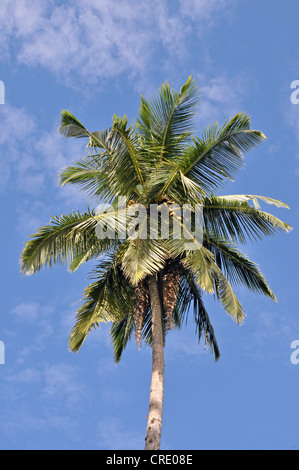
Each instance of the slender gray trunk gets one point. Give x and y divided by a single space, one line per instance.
154 423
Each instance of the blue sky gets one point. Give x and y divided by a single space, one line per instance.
95 58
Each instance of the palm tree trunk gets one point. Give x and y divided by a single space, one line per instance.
154 424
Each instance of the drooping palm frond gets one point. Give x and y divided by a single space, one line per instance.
140 258
61 242
237 220
236 266
90 174
141 320
254 199
102 301
121 332
211 279
170 284
190 295
138 320
141 302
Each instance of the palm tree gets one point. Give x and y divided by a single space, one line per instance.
147 285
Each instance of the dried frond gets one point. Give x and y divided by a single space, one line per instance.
170 290
141 301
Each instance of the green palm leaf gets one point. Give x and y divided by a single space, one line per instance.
140 258
236 266
167 120
125 160
207 273
90 174
218 155
71 127
60 242
120 333
102 302
190 294
237 220
254 199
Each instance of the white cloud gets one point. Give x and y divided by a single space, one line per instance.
60 380
93 43
31 158
270 336
221 96
275 326
97 41
203 9
31 215
17 127
113 435
184 344
56 380
107 366
26 376
32 312
59 392
39 317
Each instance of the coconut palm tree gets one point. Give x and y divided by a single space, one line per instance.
145 282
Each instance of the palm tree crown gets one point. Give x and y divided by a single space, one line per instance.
158 161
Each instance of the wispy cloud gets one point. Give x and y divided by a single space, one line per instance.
99 42
270 336
222 96
112 434
31 159
39 317
62 381
32 312
58 404
204 10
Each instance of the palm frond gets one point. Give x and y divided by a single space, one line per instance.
70 126
202 263
190 294
102 301
125 159
238 269
140 258
218 155
166 121
60 242
237 220
120 333
91 175
254 199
